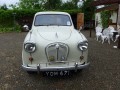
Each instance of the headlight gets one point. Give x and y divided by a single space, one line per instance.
83 46
30 47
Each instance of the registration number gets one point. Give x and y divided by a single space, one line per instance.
57 73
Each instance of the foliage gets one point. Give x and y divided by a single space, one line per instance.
105 15
70 5
52 4
75 2
18 28
27 8
7 17
6 30
48 4
71 12
88 10
4 7
30 4
14 6
40 4
10 29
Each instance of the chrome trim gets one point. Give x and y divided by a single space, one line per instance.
38 68
76 67
57 49
83 44
30 42
57 46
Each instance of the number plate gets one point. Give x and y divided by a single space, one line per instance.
57 73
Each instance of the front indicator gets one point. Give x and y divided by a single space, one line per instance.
30 59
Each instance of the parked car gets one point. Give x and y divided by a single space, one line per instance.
53 45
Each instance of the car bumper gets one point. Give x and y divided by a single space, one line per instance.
38 68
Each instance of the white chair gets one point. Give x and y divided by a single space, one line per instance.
98 32
105 36
116 38
111 30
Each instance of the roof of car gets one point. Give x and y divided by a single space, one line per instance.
51 12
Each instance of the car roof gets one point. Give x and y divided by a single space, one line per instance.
51 12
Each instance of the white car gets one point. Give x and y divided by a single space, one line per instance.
53 45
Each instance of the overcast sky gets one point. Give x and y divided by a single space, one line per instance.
8 2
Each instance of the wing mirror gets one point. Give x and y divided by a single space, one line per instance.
80 28
26 28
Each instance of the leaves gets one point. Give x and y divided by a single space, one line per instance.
27 8
4 7
88 10
105 15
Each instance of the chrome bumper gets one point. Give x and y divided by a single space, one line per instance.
38 68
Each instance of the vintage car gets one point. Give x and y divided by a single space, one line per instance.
54 45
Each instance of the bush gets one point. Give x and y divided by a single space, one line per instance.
105 15
17 28
7 18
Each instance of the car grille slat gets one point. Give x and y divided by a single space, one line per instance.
57 52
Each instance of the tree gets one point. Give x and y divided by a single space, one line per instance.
30 4
70 5
40 4
48 4
88 10
4 7
52 4
75 2
14 6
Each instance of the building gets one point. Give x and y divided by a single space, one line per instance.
109 5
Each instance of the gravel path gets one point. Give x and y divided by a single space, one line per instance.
103 73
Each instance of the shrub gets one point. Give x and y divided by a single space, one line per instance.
9 17
105 15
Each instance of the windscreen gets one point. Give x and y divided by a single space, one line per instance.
52 19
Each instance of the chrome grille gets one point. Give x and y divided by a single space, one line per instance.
57 52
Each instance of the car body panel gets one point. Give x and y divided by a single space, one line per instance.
65 37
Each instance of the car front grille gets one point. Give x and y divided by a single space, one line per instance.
57 52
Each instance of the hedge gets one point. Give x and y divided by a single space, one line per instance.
9 18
